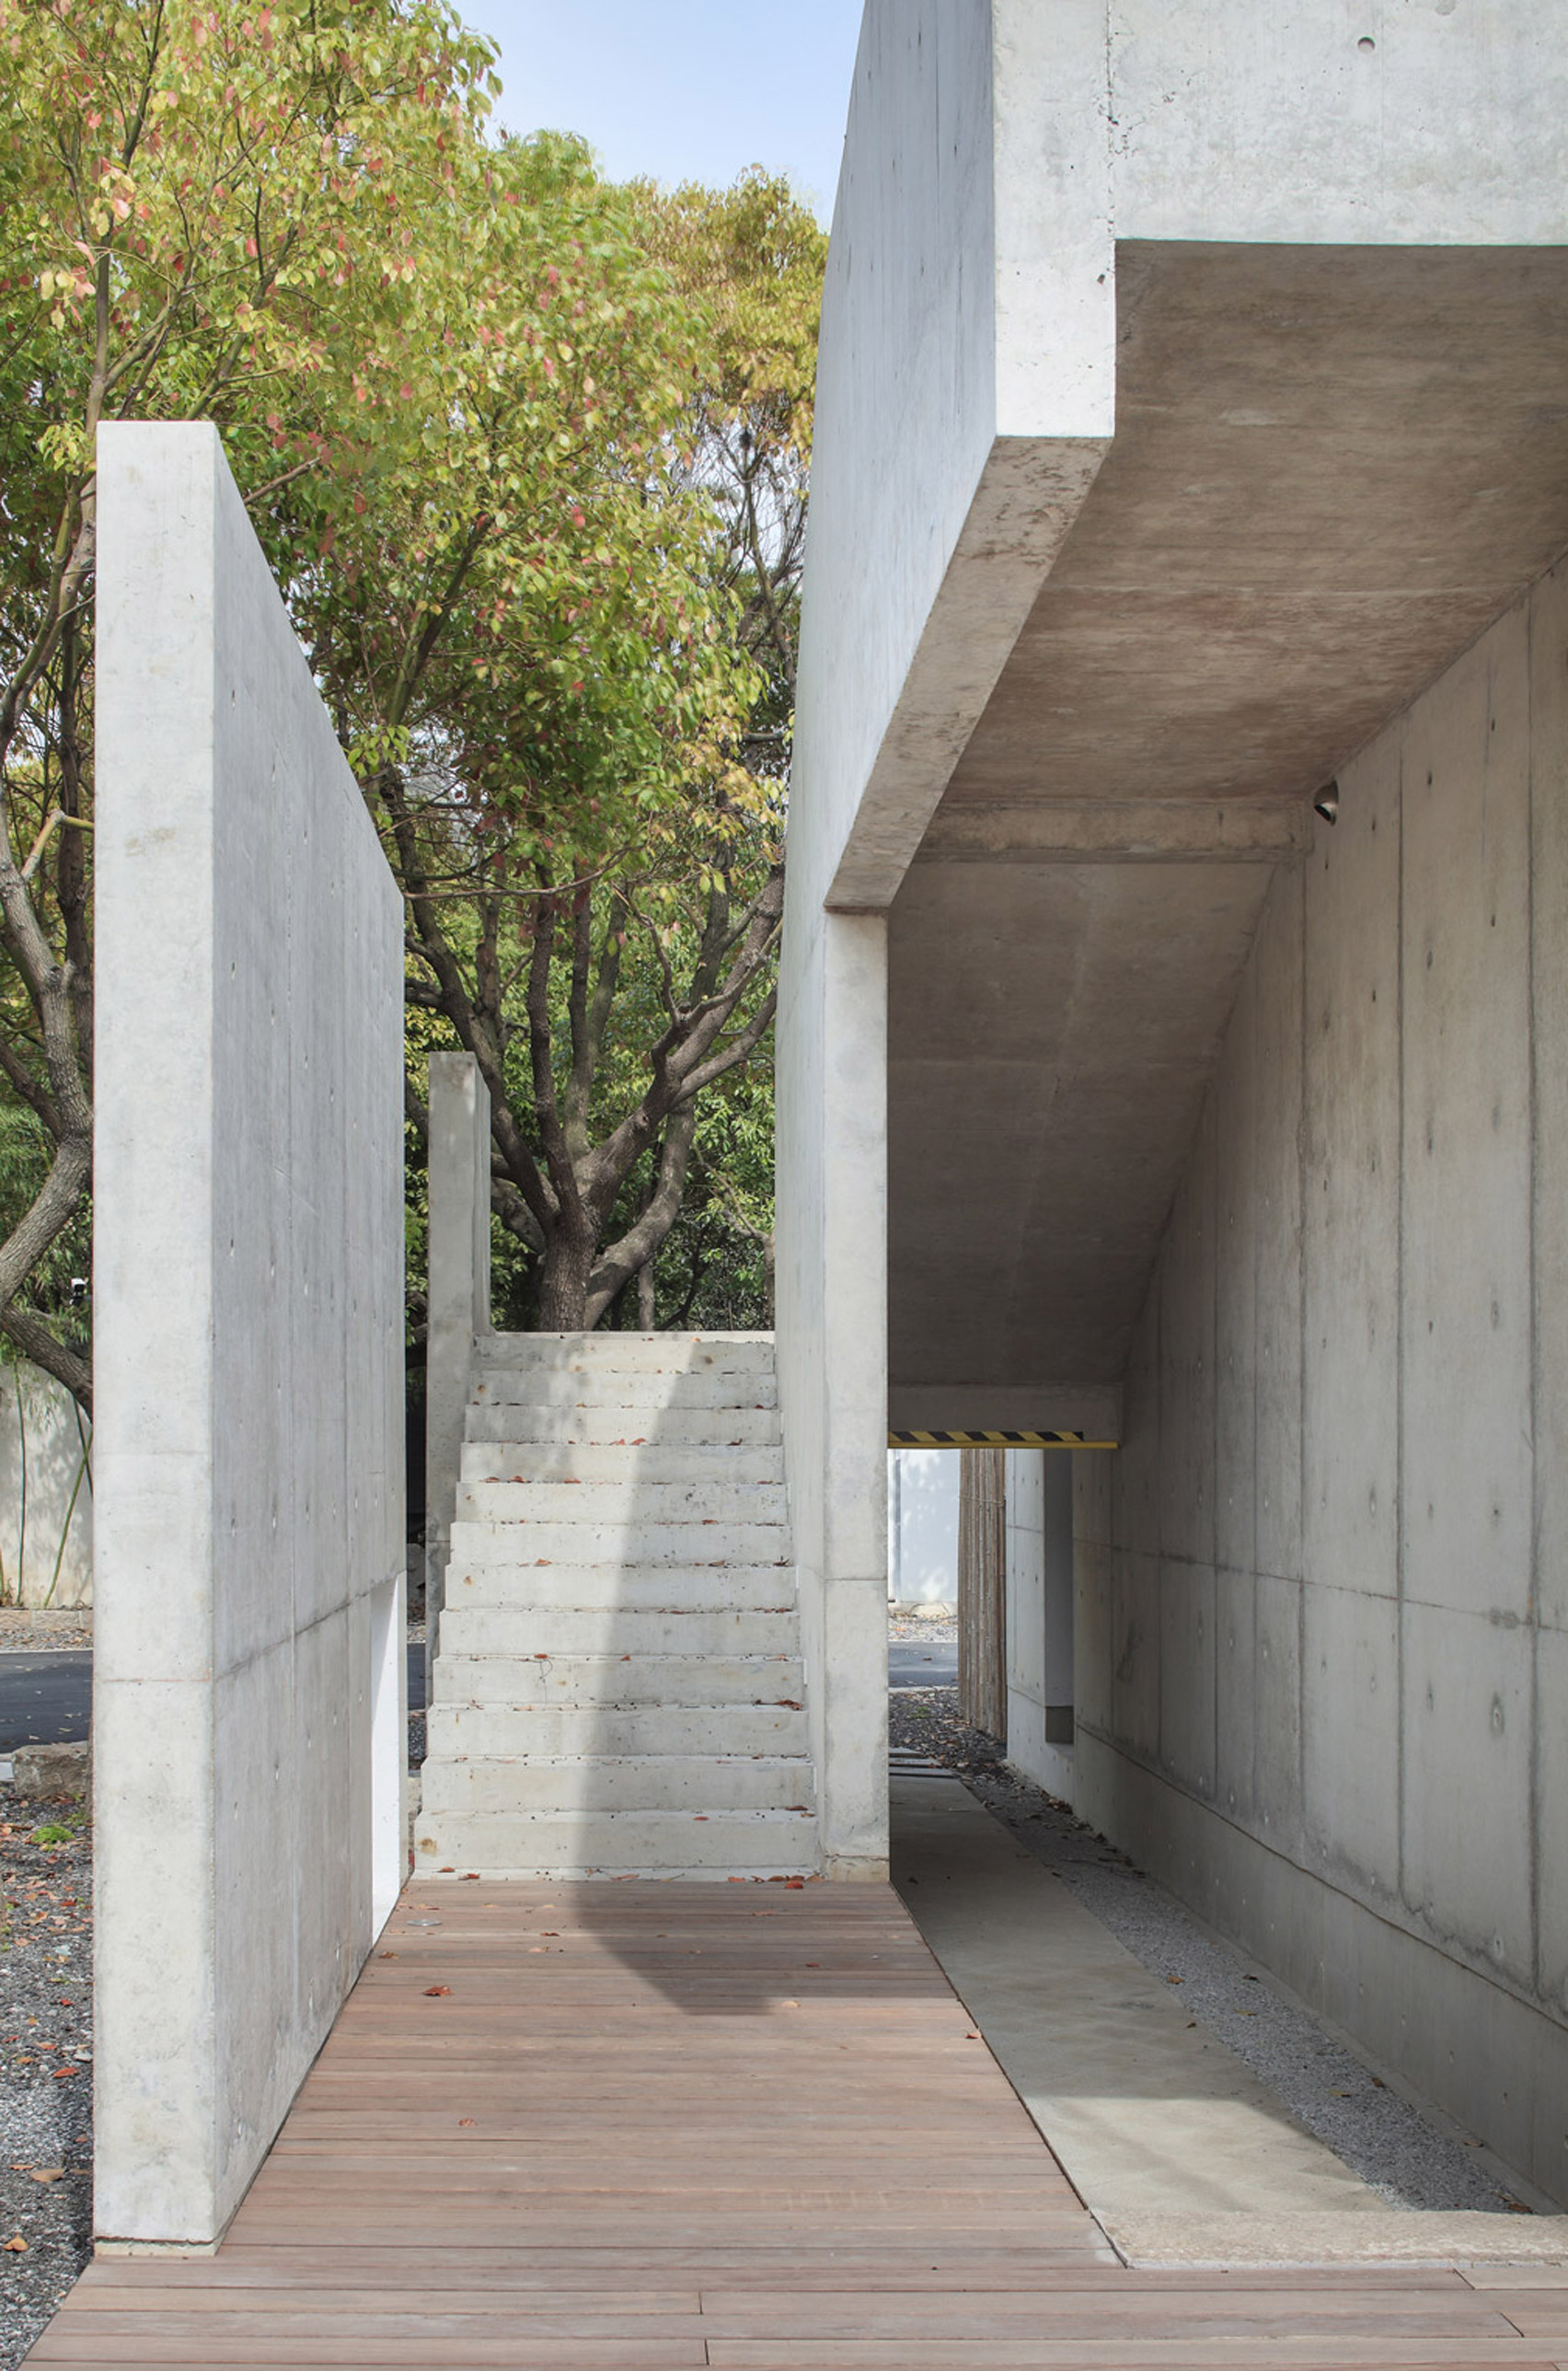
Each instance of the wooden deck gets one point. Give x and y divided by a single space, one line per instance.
636 2127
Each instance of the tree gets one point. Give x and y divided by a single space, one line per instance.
197 197
563 639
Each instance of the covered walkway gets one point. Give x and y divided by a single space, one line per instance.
630 2127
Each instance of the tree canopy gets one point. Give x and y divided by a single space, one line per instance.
527 451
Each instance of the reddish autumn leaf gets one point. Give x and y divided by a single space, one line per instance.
435 1992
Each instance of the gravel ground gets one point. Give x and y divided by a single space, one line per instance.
46 2043
1403 2156
29 1630
909 1627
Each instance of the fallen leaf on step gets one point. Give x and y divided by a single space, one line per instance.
47 2172
387 1955
16 2247
434 1992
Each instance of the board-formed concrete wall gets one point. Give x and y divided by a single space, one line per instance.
249 1707
1322 1617
46 1491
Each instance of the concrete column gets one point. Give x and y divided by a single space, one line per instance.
248 1305
459 1248
831 1287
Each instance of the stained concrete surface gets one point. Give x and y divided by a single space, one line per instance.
1177 2117
1147 2113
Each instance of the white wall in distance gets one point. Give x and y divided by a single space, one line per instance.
922 1526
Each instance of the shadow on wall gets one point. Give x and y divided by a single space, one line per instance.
922 1526
46 1492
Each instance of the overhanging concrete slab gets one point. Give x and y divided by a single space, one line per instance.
1331 469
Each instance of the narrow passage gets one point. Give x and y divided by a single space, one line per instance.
632 2127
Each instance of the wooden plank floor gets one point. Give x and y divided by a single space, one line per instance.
639 2127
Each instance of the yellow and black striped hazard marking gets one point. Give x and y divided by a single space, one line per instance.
995 1441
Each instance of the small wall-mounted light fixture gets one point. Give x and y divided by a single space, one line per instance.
1326 803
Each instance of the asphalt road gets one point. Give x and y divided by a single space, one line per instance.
912 1664
47 1699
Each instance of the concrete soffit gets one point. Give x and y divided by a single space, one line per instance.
1029 492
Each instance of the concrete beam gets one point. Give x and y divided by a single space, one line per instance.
1061 831
1094 1409
1029 494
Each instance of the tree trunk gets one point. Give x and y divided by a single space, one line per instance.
563 1283
646 1319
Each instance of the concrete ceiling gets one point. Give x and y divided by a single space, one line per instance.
1332 468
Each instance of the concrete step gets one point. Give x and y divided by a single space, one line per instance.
619 1682
509 1732
727 1354
533 1631
537 1427
742 1588
616 1844
599 1782
628 1502
572 1461
490 1542
639 1394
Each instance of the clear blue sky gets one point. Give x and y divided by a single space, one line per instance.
683 90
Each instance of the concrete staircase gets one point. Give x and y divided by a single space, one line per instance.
618 1686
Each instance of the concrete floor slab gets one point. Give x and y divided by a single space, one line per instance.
1150 2116
1388 2237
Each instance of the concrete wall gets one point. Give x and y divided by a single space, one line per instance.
248 1722
1322 1627
1436 122
46 1492
922 1526
964 401
1040 1617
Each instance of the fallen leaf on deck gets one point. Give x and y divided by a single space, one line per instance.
434 1992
